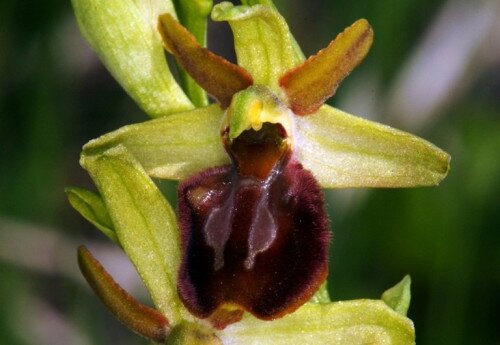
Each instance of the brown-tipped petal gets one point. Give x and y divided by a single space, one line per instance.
214 74
140 318
258 246
310 84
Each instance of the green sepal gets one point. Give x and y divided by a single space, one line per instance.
124 36
144 223
91 206
173 147
263 43
269 3
193 16
341 323
399 296
344 151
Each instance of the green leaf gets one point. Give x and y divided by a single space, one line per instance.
399 296
349 323
193 16
91 206
173 147
343 150
270 4
144 222
124 36
264 45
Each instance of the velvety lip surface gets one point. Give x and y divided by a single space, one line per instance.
250 244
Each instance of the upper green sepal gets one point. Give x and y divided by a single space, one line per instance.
123 34
269 3
343 151
399 296
91 206
263 42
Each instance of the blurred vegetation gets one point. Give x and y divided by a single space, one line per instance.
55 95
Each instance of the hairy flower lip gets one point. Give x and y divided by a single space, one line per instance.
280 201
282 275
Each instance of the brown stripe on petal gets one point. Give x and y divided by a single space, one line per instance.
140 318
310 84
219 77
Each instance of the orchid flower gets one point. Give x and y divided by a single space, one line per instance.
245 259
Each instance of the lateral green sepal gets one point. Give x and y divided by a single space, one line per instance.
145 224
344 151
173 147
91 206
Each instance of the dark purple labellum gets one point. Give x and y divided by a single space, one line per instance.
253 239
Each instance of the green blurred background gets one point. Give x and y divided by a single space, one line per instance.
434 70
